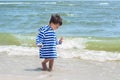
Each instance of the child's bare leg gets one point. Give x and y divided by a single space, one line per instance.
44 66
51 62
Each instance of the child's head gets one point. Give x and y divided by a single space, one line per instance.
55 21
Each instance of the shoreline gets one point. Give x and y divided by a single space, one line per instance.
63 51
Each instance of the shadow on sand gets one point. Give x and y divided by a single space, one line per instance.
36 69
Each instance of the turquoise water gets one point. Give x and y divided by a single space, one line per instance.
80 18
95 21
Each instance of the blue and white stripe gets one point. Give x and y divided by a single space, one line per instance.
47 37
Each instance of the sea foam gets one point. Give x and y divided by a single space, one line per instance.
71 48
6 3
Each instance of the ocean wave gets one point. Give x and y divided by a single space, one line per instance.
18 51
67 14
73 43
104 3
62 53
6 3
104 44
50 2
89 55
8 39
72 47
90 43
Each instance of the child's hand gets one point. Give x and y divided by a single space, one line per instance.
39 45
61 40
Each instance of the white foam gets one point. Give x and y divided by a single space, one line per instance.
75 47
18 50
71 48
100 55
71 15
14 3
103 3
73 43
50 2
89 54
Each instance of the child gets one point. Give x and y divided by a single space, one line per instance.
47 41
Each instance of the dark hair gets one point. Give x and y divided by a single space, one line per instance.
56 19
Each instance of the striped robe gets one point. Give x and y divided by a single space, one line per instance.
47 37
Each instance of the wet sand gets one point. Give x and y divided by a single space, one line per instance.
29 68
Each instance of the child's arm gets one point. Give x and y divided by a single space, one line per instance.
39 39
60 40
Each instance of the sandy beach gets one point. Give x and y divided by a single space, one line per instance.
29 68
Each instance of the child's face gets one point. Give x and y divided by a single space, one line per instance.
55 26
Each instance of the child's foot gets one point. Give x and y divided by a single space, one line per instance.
49 70
44 66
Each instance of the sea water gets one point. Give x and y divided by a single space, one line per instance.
90 28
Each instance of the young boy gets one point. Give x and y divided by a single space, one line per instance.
47 41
